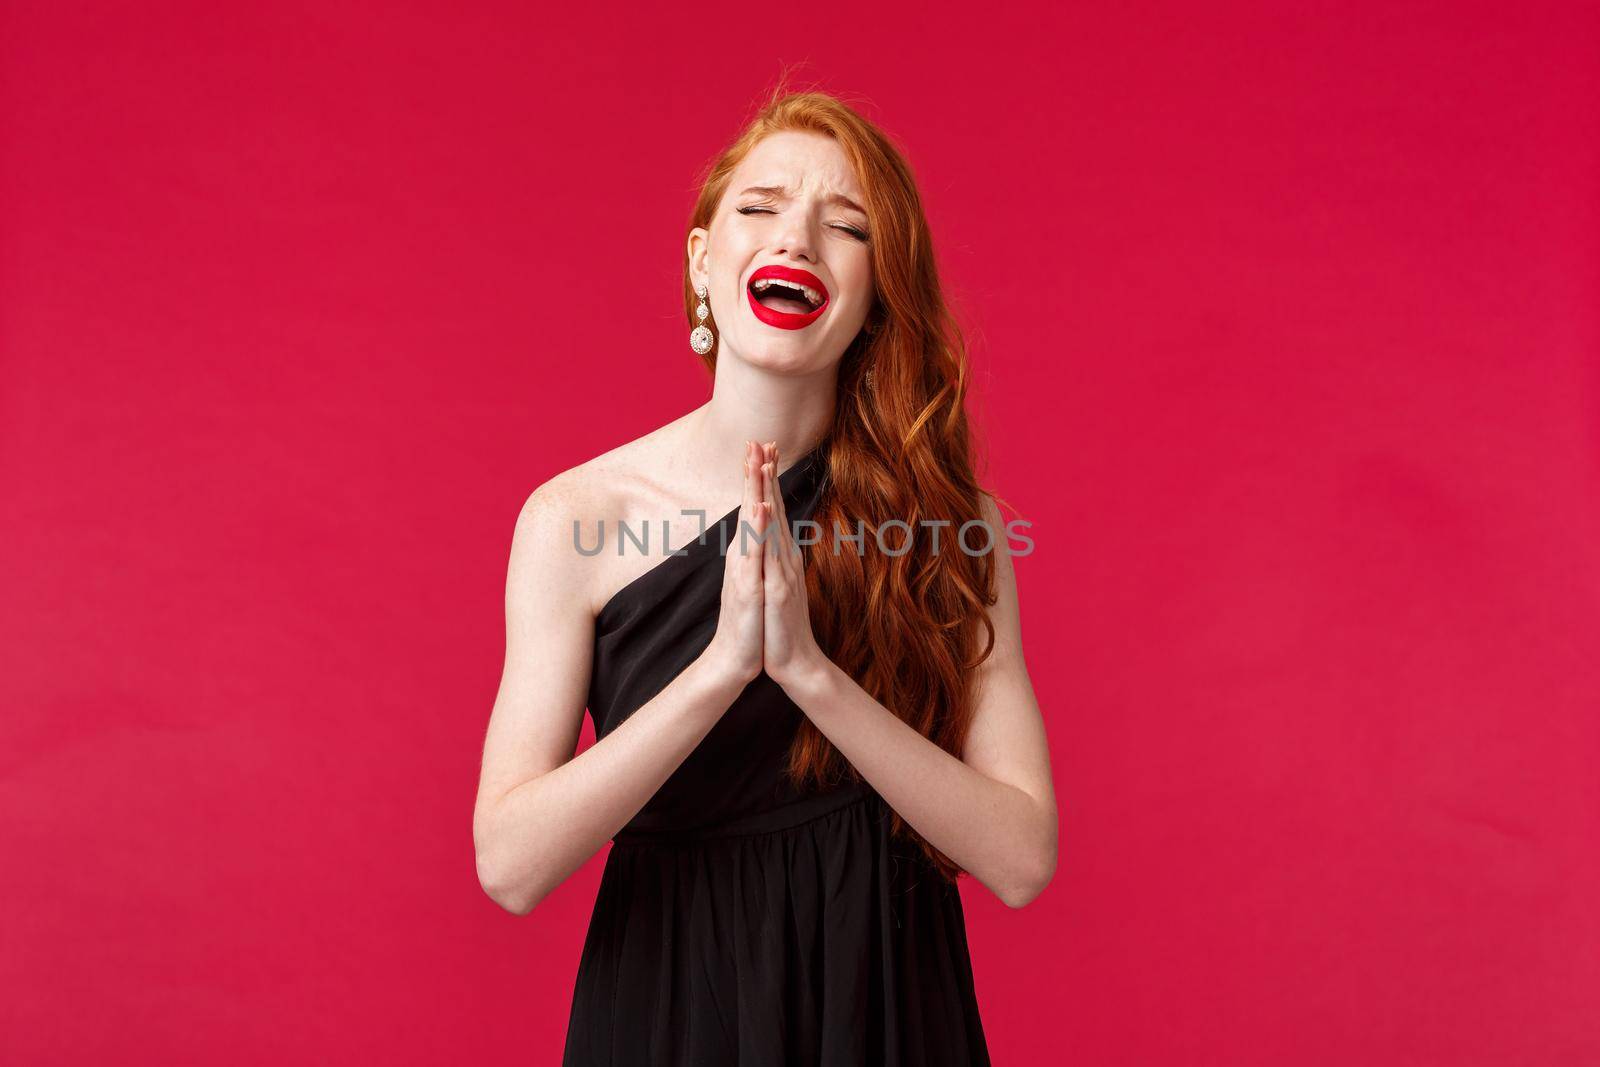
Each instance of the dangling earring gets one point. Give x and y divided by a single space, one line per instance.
700 339
868 378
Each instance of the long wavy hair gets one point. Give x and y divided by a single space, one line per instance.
905 627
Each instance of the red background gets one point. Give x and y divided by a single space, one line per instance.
1285 330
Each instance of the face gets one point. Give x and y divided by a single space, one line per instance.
790 217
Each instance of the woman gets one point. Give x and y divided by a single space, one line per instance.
799 746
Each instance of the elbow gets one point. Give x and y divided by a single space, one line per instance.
504 892
497 878
1026 886
511 894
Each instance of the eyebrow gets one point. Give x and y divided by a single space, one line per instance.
783 192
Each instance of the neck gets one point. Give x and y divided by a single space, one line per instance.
756 404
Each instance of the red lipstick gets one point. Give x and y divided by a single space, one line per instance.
785 320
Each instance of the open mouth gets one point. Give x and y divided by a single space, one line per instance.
787 297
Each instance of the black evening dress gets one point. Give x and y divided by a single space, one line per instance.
739 919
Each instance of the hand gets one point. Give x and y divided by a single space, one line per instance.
789 648
736 647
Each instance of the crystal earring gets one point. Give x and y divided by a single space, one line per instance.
700 339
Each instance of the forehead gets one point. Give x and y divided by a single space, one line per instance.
799 159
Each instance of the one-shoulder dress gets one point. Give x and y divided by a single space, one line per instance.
741 920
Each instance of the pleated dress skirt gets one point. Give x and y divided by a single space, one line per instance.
741 921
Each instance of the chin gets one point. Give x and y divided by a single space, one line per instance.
783 357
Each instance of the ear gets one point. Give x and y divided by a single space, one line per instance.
699 256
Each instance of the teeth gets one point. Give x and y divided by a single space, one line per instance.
812 297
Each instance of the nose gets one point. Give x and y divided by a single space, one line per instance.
795 238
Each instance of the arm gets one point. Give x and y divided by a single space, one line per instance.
540 812
992 811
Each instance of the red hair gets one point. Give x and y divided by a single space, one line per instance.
905 627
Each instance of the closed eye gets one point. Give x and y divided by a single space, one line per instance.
851 230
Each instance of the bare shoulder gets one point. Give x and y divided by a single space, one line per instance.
591 489
563 514
991 515
998 538
1004 610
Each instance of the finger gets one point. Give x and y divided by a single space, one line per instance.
770 456
765 509
761 519
789 550
782 543
758 553
750 505
770 545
